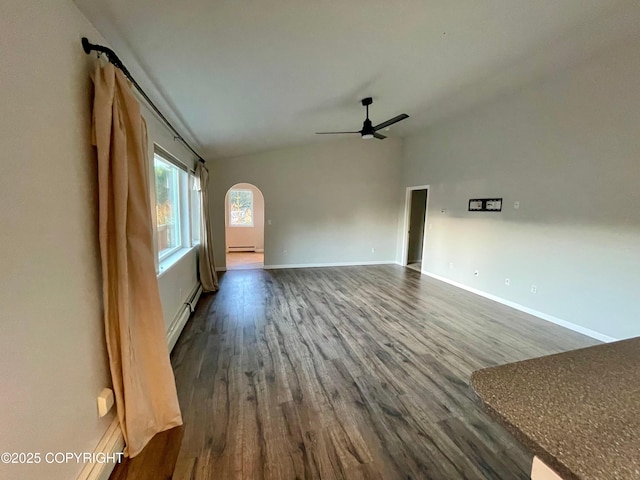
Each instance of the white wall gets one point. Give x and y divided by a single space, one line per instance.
53 361
176 285
328 202
246 236
181 278
568 149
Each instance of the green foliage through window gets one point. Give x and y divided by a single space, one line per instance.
167 205
241 208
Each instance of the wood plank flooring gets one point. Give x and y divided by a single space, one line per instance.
156 461
347 373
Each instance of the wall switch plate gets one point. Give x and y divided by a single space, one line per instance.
507 282
476 273
268 222
534 289
373 250
105 401
516 205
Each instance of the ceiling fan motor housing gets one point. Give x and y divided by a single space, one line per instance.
367 128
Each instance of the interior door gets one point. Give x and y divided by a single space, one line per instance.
417 215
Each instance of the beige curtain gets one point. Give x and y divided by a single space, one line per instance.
207 266
142 377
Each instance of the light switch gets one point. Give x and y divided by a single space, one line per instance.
494 205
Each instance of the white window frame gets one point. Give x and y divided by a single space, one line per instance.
252 208
186 178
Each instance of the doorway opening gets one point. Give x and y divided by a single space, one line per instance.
244 227
416 226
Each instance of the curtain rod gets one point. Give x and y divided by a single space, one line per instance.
115 60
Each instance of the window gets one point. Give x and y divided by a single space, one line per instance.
177 207
167 206
241 208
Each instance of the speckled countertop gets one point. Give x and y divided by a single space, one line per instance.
579 411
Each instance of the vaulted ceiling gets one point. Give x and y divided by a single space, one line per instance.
240 76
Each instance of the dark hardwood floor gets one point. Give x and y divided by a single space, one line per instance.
346 373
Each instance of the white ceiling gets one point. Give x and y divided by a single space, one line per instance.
240 76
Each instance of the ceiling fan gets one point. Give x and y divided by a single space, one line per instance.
368 130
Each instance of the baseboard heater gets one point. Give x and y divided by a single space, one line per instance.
182 317
243 248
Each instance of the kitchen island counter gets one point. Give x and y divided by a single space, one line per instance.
578 411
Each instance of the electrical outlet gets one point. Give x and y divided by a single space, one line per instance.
105 402
284 252
516 205
476 273
534 289
507 282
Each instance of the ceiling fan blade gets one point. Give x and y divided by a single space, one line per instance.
332 133
379 136
391 121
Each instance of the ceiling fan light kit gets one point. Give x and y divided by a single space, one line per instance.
368 130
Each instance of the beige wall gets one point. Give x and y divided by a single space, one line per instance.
328 202
568 149
243 236
52 354
53 360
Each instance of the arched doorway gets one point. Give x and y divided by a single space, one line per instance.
244 227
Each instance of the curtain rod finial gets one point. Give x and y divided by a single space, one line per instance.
86 45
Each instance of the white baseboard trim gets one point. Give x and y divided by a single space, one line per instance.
181 319
112 442
322 265
544 316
